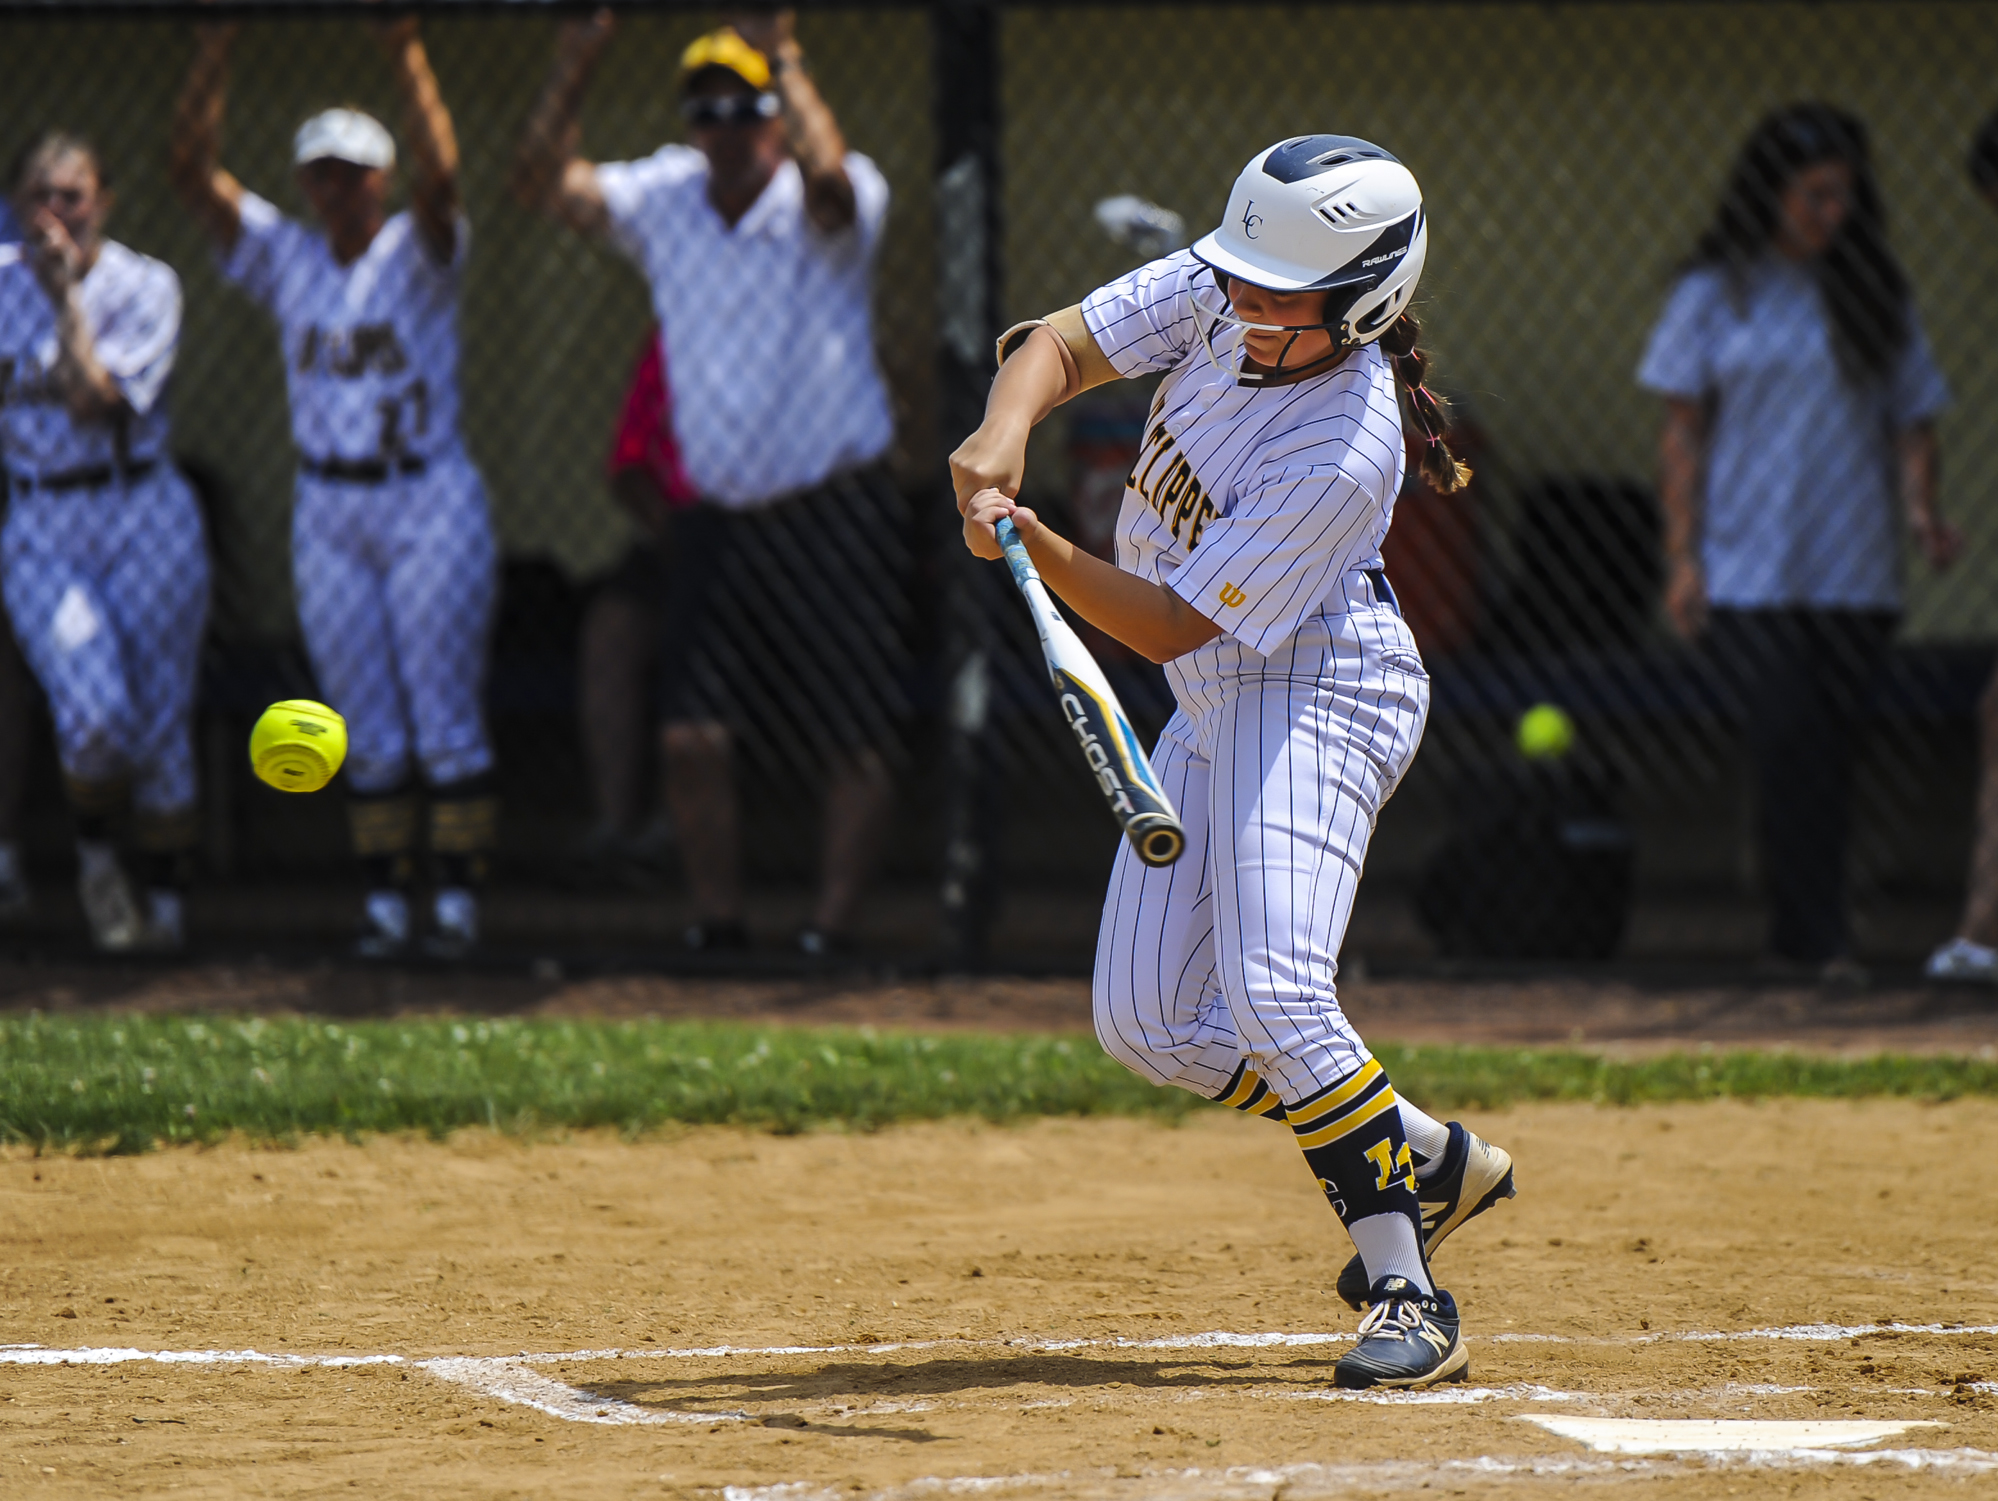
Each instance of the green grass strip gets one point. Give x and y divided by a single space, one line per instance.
125 1083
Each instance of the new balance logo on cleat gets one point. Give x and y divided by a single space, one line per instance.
1474 1176
1408 1338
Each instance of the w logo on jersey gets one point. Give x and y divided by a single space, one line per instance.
1170 487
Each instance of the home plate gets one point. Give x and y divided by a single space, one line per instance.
1717 1436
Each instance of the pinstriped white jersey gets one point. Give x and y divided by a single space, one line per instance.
371 349
132 305
1252 503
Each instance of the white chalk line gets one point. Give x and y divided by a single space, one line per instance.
38 1355
516 1382
1295 1482
513 1380
1820 1332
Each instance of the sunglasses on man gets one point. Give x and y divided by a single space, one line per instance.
730 109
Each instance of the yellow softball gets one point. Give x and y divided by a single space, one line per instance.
298 745
1545 733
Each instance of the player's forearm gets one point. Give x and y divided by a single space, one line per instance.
86 387
1035 379
1681 449
1149 618
815 140
552 135
192 154
1917 457
433 140
196 142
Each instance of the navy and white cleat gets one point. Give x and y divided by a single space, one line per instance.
1408 1338
1475 1175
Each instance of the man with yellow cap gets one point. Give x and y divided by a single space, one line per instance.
787 604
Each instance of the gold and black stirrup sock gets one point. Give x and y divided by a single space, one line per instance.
464 829
383 826
99 807
1352 1138
1248 1093
165 843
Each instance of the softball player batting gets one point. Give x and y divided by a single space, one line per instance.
393 554
1248 562
104 565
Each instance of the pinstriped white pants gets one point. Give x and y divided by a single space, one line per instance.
1279 771
396 587
107 589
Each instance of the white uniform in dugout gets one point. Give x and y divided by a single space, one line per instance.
106 573
392 548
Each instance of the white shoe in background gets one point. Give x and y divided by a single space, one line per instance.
456 914
384 925
15 897
1965 962
166 921
107 897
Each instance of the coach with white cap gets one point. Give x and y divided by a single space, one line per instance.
392 548
787 609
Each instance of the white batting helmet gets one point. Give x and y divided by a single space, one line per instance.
1326 213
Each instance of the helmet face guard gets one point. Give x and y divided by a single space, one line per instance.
1220 311
1217 310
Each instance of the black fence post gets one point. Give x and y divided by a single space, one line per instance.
966 39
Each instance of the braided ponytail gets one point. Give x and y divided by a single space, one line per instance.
1430 415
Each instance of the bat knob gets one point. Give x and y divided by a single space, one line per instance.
1158 839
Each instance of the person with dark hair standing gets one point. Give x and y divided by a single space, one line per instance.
104 559
1971 954
16 897
1800 398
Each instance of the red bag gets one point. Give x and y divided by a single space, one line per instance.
644 439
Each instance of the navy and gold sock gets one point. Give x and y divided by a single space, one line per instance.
383 828
1249 1093
464 829
98 807
1352 1138
164 844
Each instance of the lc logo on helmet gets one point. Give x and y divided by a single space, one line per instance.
1251 220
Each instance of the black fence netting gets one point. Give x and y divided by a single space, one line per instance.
564 397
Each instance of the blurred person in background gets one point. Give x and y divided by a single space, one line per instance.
17 716
1972 954
787 604
1800 399
16 713
104 562
621 634
393 554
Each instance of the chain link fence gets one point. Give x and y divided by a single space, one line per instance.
642 658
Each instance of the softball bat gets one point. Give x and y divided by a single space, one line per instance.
1109 745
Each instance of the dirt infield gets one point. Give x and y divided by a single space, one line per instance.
1022 1305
